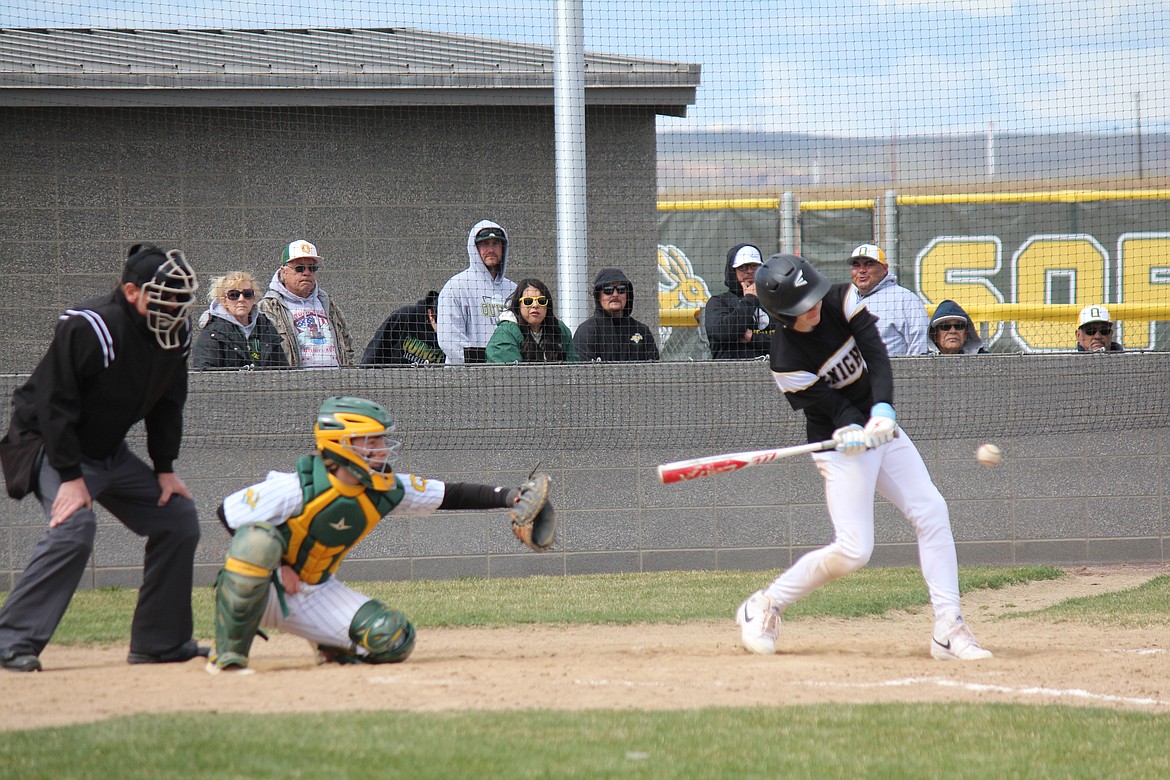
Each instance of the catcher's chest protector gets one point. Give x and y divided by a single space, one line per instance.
335 518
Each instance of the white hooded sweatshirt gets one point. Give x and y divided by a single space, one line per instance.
471 301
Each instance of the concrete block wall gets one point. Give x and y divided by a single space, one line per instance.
387 195
1084 480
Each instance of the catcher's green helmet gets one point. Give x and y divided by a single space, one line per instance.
350 432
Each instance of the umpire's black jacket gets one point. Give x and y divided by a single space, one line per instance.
103 372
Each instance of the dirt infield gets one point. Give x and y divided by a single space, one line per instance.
645 667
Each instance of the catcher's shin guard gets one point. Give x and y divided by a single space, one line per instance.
241 592
384 632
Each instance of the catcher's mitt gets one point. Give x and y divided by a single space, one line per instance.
533 519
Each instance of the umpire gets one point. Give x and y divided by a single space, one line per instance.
113 361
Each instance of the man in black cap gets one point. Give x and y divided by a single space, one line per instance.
113 361
471 301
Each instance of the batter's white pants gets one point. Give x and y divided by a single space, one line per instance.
896 471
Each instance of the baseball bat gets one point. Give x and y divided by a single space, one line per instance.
682 470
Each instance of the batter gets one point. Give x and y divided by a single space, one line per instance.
830 362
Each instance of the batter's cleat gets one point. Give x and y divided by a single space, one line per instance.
953 641
15 661
759 622
184 652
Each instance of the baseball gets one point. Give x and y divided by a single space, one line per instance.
989 455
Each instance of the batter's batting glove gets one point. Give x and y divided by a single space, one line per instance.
881 428
850 439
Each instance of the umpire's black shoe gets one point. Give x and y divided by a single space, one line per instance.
19 662
184 652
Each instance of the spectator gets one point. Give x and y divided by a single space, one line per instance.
113 361
737 327
953 333
1095 330
292 528
902 321
471 301
830 363
529 331
407 336
611 334
235 334
312 329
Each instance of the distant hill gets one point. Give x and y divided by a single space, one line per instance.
745 162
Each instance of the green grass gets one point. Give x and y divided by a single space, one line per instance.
817 741
822 741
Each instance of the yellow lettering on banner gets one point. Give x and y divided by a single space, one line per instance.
961 268
1070 268
1145 278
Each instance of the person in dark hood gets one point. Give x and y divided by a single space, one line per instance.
407 336
611 334
737 326
953 333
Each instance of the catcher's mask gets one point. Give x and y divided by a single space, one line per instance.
788 286
351 433
168 283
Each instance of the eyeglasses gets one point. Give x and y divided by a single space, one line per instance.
235 295
1093 330
615 289
952 326
300 269
528 300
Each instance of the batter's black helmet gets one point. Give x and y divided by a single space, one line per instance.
788 286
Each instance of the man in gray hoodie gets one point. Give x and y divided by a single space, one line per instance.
312 329
471 301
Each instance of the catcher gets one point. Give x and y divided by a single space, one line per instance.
291 532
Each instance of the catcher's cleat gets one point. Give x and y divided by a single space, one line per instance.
184 652
334 655
953 641
759 622
228 662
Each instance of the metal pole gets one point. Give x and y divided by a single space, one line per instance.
890 227
1137 107
569 117
788 222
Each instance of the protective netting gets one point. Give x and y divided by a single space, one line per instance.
1009 157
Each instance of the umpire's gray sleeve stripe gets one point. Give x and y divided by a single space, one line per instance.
99 327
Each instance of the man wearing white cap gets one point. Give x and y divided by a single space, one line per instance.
737 326
1095 330
312 329
902 321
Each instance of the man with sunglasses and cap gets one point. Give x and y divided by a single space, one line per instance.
611 334
901 316
1095 330
471 301
313 331
114 360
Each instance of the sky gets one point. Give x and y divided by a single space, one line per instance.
834 67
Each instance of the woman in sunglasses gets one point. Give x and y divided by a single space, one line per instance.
529 331
235 334
953 333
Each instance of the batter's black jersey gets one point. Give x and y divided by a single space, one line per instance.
103 372
836 372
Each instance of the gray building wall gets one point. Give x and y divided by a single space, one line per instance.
387 194
1087 443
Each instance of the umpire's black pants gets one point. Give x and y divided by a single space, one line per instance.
129 490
